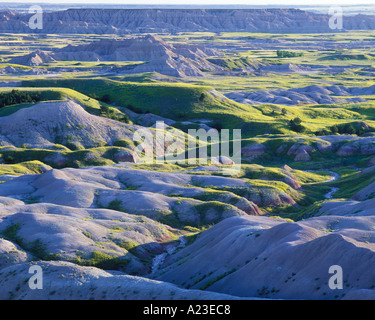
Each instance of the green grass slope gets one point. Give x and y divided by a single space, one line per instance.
178 101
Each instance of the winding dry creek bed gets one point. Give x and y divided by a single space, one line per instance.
160 258
334 176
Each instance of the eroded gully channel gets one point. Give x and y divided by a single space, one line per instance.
334 176
160 258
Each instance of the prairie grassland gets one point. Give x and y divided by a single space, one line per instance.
191 99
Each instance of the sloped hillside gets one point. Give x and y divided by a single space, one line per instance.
156 55
264 257
57 122
61 282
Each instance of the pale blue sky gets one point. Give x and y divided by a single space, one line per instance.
209 2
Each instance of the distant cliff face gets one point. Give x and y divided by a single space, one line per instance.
114 21
179 60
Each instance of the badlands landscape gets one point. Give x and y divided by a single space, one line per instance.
107 216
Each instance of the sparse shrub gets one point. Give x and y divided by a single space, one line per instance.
73 146
133 108
348 128
106 98
111 113
38 249
296 125
345 128
322 132
128 245
124 143
10 233
115 205
103 261
334 129
17 97
93 96
288 54
9 159
87 234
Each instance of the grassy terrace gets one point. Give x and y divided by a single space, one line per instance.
28 167
183 102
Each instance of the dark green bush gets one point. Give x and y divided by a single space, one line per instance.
111 113
288 54
296 125
17 97
106 98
